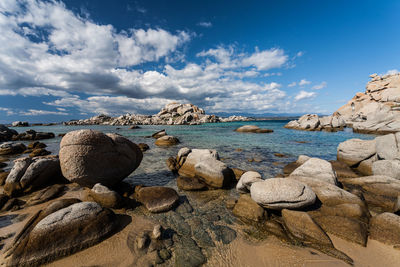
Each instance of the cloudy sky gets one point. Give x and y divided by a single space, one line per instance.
61 60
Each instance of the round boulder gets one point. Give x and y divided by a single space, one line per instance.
105 197
246 180
252 129
282 193
89 157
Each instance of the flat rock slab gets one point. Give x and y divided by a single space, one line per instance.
385 228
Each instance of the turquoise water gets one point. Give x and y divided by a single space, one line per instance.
223 138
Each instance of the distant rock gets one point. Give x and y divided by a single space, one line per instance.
31 135
252 129
11 148
172 114
89 157
20 124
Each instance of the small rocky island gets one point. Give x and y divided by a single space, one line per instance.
376 111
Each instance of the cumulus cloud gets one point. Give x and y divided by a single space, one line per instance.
293 84
304 82
9 111
304 95
36 112
319 86
205 24
394 71
47 50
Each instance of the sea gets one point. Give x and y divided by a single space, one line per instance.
248 151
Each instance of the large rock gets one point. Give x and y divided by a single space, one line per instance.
41 172
63 232
387 147
189 158
354 151
167 140
317 169
252 129
214 173
303 227
328 193
281 193
6 133
89 157
157 198
246 180
247 209
12 182
385 228
389 168
380 192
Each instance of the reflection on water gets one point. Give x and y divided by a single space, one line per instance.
223 138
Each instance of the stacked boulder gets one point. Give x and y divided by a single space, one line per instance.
312 122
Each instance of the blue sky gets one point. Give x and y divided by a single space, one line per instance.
74 59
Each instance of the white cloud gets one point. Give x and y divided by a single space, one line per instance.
304 95
205 24
267 59
394 71
300 54
304 82
36 112
293 84
320 86
9 111
96 69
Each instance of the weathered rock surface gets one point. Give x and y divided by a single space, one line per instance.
281 193
167 140
105 197
317 169
247 209
389 168
353 151
385 228
387 146
246 180
89 157
157 198
214 173
63 232
379 191
6 133
252 129
11 148
187 159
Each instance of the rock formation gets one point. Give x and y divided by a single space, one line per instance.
172 114
377 110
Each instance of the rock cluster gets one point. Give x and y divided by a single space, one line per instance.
377 110
171 114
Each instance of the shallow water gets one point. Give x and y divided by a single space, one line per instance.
223 138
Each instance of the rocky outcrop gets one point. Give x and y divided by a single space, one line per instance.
172 114
32 135
89 157
281 193
252 129
6 133
20 124
11 148
317 169
377 110
385 228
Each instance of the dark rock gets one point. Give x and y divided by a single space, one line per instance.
46 194
36 144
238 173
190 183
6 133
280 155
134 127
224 233
288 169
12 204
143 147
157 198
187 253
172 164
342 170
11 148
159 134
3 200
3 177
39 152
